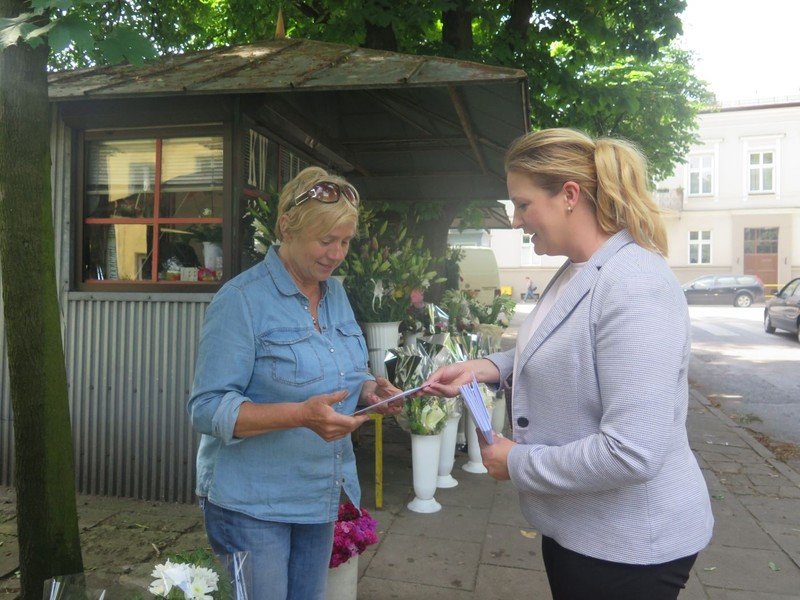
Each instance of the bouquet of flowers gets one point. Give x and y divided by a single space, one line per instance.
176 580
354 530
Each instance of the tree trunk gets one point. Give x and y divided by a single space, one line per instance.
434 233
457 27
47 521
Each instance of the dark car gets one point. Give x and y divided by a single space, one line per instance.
735 290
783 309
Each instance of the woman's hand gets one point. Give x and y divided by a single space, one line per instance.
495 455
375 391
445 381
318 414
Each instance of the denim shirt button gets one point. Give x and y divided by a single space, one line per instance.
341 373
331 349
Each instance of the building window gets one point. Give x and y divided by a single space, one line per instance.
152 210
700 247
762 169
701 175
527 256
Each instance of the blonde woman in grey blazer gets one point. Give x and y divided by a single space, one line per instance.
599 453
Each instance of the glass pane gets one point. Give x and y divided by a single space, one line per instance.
706 183
706 259
705 235
120 179
749 247
754 180
693 235
767 247
694 183
191 176
694 162
183 257
117 252
767 179
693 254
755 159
767 158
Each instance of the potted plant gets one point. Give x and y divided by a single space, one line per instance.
210 236
380 273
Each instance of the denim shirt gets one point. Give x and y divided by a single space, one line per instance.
259 344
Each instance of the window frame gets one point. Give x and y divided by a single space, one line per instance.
80 220
700 242
760 167
712 170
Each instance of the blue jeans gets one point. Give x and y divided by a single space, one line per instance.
288 561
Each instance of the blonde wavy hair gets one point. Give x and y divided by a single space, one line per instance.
313 218
612 174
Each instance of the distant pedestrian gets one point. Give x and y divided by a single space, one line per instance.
530 290
600 454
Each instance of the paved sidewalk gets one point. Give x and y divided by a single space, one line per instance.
478 546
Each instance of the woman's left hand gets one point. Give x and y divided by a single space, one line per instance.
495 456
375 391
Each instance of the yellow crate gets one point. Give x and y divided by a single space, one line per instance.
506 290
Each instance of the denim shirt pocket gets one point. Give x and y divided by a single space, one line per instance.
290 356
350 334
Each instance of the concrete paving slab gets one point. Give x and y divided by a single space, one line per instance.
782 511
451 523
504 583
370 588
693 590
787 537
748 570
719 594
427 561
507 546
505 510
735 526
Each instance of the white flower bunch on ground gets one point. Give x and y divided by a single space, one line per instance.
181 580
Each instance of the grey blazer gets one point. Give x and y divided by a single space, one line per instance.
603 463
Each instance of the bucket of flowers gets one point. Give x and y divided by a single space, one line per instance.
354 530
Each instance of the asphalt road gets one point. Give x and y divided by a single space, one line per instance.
754 376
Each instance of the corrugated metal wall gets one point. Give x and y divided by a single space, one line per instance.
130 360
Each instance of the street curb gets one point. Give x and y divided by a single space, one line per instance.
760 449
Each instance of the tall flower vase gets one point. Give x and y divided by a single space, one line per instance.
343 581
447 454
475 462
425 466
499 413
380 338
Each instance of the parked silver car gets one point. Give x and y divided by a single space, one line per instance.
782 311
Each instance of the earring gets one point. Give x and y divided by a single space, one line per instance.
569 209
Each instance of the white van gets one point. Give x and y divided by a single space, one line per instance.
478 271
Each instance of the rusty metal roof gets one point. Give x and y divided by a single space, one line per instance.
278 65
401 127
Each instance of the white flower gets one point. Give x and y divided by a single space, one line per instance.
196 583
430 416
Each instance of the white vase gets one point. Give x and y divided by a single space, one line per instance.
425 466
380 338
475 462
447 454
212 256
499 413
343 581
461 436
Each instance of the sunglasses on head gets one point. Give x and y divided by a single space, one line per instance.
328 192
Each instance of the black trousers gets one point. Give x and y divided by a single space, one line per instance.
573 576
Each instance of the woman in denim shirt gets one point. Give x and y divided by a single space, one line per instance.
281 366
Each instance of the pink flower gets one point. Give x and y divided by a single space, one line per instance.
352 533
417 298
